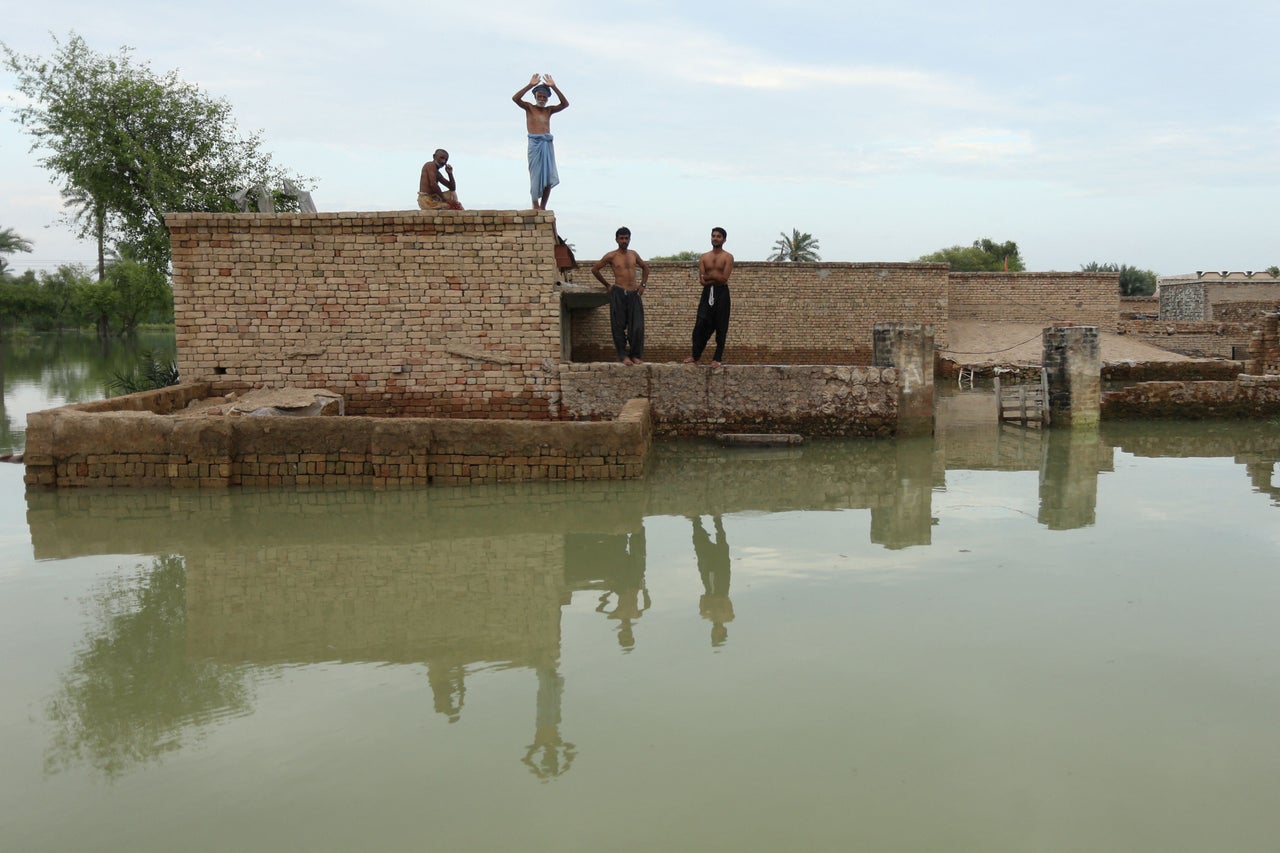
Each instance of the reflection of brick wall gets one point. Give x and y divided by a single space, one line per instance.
782 313
1086 299
451 313
480 599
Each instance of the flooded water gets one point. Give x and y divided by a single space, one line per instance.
990 640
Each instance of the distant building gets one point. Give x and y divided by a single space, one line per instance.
1224 296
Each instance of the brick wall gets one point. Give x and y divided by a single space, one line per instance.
1202 339
1264 346
1086 299
1245 312
441 313
1139 305
1225 295
783 313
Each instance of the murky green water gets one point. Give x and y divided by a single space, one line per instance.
986 641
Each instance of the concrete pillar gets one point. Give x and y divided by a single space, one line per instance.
908 348
1074 365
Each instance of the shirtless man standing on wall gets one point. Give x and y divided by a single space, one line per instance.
542 153
714 269
626 310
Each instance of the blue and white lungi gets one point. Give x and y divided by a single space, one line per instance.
542 164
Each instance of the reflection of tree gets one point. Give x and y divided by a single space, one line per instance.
132 693
713 566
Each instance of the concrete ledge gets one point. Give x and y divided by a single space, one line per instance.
694 400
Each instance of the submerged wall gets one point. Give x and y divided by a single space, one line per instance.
1247 397
143 442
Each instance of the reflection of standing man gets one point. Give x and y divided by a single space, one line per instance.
713 565
628 589
549 755
714 269
430 196
626 309
542 153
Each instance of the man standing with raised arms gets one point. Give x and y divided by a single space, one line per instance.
714 269
626 310
542 153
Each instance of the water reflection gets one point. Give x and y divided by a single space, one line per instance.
713 568
135 691
42 370
459 581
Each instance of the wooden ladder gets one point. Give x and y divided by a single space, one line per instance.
1026 404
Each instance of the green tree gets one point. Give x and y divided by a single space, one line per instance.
130 145
983 256
60 296
1133 281
799 247
141 294
678 256
11 242
1274 270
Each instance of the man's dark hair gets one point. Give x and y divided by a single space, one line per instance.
623 230
723 233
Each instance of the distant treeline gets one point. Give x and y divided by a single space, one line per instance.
129 295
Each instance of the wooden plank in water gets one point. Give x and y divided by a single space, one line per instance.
751 439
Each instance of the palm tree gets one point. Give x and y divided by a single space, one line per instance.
799 247
10 242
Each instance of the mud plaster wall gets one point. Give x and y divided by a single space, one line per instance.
782 313
1248 397
136 445
411 313
1086 299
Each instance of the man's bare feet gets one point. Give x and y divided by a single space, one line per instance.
628 361
715 364
636 361
690 360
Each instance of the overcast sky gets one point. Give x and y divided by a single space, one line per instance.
1137 132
